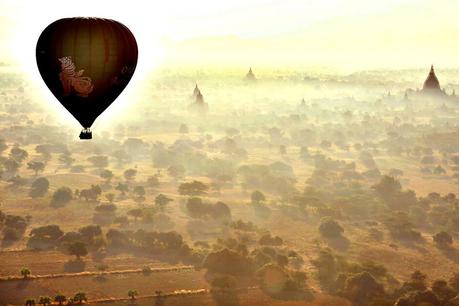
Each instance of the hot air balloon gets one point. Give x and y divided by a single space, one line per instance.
86 63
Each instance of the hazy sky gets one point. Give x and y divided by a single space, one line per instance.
346 34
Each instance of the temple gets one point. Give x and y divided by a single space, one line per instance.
199 98
431 89
431 84
196 91
250 76
198 106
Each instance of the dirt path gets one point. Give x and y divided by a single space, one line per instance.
62 275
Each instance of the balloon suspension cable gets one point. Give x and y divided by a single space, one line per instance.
86 133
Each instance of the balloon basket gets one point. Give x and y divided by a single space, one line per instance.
86 134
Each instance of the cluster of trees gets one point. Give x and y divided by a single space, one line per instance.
364 283
59 298
12 227
75 243
197 208
91 193
168 246
276 178
234 261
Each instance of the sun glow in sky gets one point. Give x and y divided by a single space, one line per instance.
344 35
336 33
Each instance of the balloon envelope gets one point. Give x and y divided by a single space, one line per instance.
86 63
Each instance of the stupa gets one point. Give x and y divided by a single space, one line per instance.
198 106
250 76
431 84
195 91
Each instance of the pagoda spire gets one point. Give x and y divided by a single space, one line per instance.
432 84
196 90
250 76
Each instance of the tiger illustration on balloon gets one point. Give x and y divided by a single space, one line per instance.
72 79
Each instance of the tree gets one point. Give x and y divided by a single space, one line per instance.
25 272
60 298
442 290
130 174
193 189
61 196
39 187
329 228
132 294
66 159
110 197
44 150
36 166
99 161
387 187
176 171
161 201
107 175
221 211
80 297
139 193
44 237
89 233
78 249
106 208
52 232
257 197
90 194
11 165
121 156
153 181
123 188
183 129
136 213
17 181
362 288
228 262
29 302
443 239
196 208
44 300
18 154
267 239
454 282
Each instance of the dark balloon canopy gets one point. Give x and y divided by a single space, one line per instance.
86 63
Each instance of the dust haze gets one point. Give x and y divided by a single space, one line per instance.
236 187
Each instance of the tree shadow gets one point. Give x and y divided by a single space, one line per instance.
451 253
293 295
7 243
100 278
226 297
340 243
74 266
414 245
22 284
